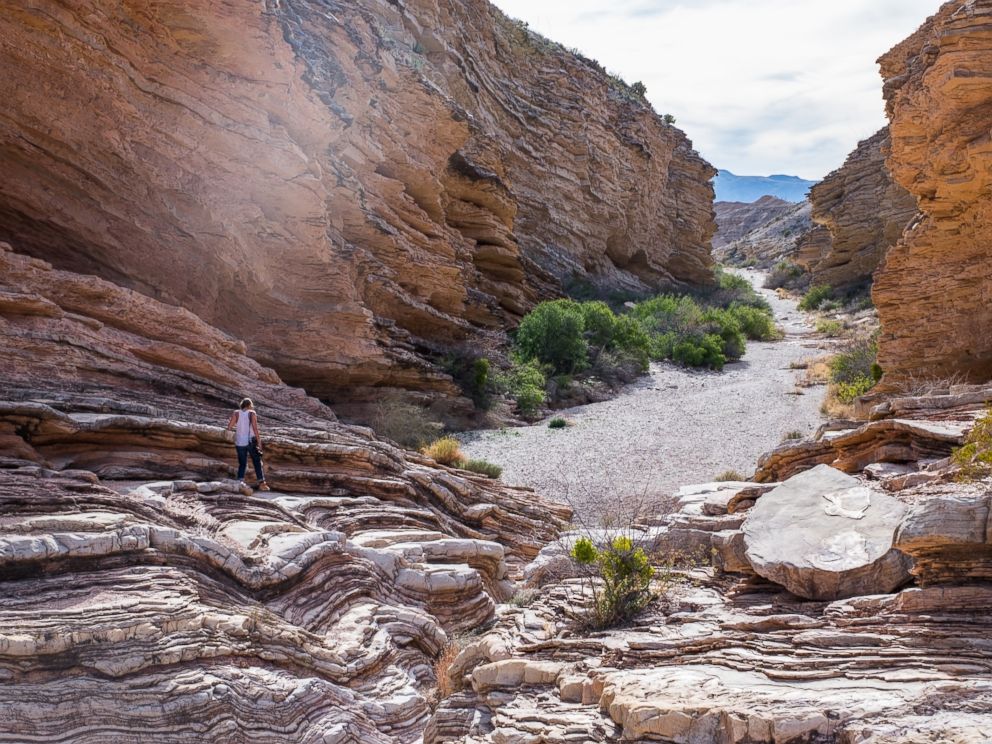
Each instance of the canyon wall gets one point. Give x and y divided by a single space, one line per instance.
865 212
934 288
350 187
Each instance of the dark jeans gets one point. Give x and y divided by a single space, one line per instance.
256 460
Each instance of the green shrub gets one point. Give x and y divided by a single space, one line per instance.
731 289
829 328
472 374
705 351
526 383
624 573
814 297
975 457
856 361
557 423
848 392
483 467
554 333
756 323
792 436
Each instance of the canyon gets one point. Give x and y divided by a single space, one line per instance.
312 204
277 169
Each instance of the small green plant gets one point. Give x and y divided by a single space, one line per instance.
558 423
639 89
668 119
974 458
619 578
829 328
848 392
792 436
446 450
526 383
483 467
730 475
815 297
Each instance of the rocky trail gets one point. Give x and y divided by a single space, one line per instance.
672 427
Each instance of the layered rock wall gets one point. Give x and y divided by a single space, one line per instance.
760 233
865 212
147 596
934 289
350 187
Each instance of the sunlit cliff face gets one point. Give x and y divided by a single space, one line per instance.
350 191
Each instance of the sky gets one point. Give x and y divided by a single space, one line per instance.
760 86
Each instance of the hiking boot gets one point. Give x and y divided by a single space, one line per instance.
263 486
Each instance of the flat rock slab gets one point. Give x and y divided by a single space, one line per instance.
824 535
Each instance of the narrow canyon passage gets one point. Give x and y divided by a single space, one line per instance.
673 427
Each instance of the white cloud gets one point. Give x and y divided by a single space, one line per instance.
761 86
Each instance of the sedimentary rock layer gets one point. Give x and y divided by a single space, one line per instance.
934 289
147 597
760 233
347 186
865 212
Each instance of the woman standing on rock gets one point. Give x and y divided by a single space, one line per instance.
247 441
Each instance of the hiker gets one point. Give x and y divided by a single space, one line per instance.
247 441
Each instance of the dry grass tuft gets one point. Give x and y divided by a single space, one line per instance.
446 450
446 686
833 407
817 372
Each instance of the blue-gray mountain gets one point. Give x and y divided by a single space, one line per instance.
734 188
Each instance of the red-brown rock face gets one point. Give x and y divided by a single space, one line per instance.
865 212
934 290
346 186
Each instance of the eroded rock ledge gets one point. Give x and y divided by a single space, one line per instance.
145 595
348 186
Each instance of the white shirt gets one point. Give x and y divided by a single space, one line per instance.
243 432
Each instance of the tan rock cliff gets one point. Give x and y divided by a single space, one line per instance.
346 186
934 289
865 212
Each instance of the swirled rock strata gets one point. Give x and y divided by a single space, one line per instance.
352 188
147 596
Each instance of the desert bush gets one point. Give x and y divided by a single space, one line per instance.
730 475
848 392
787 275
554 333
557 423
619 577
731 289
472 373
815 297
405 423
483 467
524 597
793 436
757 324
829 328
974 458
526 383
857 360
446 450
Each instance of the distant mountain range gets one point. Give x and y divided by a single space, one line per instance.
733 188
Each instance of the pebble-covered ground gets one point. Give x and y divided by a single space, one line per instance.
670 428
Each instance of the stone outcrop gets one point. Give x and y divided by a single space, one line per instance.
824 535
349 187
760 233
146 595
933 289
865 212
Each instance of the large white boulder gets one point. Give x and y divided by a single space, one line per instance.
825 535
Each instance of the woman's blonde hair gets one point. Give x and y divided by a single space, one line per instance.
246 404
